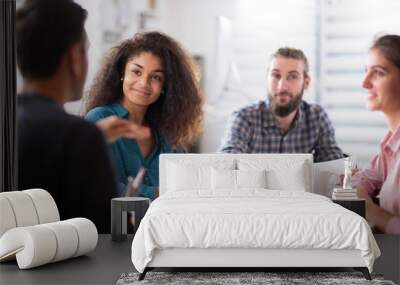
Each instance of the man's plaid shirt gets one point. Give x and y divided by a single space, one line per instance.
254 129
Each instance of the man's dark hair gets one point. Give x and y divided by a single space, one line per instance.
45 30
293 53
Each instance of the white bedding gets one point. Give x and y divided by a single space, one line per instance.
251 218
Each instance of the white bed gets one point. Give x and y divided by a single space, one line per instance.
219 210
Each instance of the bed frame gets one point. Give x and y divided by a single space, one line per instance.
245 259
249 258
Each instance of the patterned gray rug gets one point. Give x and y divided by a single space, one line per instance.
270 278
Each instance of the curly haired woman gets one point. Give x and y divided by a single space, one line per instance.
148 80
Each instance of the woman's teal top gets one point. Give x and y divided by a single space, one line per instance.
127 155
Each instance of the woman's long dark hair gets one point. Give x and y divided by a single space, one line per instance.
389 45
178 112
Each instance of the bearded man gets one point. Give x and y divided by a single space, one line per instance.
286 124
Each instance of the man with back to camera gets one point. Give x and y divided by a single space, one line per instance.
287 124
61 153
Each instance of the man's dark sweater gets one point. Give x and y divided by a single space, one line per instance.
68 157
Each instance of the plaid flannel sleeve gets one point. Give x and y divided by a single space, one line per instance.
326 148
238 134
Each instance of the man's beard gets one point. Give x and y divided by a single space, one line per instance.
285 110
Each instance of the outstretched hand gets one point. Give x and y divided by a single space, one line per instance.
114 128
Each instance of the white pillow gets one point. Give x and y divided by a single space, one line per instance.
223 179
251 178
185 174
282 174
291 179
183 177
226 179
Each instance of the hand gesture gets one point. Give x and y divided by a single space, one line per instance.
114 128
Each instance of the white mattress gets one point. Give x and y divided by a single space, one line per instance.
253 218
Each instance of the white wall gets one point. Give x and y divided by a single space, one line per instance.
108 23
335 35
347 31
258 28
236 51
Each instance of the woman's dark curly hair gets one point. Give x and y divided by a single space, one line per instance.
178 111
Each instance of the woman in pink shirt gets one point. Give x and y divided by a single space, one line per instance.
382 176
